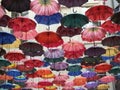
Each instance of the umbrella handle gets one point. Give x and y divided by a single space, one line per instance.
74 11
48 28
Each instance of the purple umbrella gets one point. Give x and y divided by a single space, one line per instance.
88 74
79 88
59 66
54 53
95 51
91 84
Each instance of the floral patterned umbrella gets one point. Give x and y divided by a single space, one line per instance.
93 34
45 7
16 6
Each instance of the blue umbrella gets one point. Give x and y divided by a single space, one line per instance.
7 86
74 61
74 73
14 72
6 38
48 20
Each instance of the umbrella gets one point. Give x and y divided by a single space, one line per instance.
74 61
54 53
16 6
110 27
50 88
115 70
103 67
117 58
95 51
15 44
5 77
90 85
6 38
68 88
2 12
2 51
93 34
54 60
79 88
7 86
73 3
61 76
13 72
73 47
79 81
43 71
115 18
48 20
111 41
49 39
59 82
43 84
20 78
4 20
45 7
4 62
33 63
95 78
58 66
14 56
2 72
74 68
31 34
68 31
107 79
21 24
74 73
103 86
48 76
74 20
99 12
88 74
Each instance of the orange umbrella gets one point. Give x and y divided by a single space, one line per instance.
5 77
79 81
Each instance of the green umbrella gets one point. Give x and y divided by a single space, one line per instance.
74 68
4 63
74 20
115 70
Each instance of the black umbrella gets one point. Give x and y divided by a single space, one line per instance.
116 18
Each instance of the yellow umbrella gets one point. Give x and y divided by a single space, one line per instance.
111 51
15 44
102 87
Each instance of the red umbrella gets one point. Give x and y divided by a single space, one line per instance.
73 49
21 24
100 12
107 79
117 58
103 67
43 84
110 27
33 63
14 56
93 34
49 39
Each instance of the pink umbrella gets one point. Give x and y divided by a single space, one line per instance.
107 79
74 48
93 34
31 34
2 12
45 7
54 53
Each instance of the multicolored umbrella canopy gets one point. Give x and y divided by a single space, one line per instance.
74 20
74 3
48 20
45 7
16 6
99 12
49 39
68 31
115 18
92 34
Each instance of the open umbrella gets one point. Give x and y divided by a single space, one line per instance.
74 61
22 24
2 51
91 85
45 7
115 70
93 34
4 62
58 66
73 3
4 20
54 60
54 53
6 38
2 12
111 41
79 88
110 27
14 56
74 20
5 77
48 20
115 18
16 6
107 79
49 39
95 51
117 58
68 31
50 88
43 84
99 12
88 74
13 72
103 87
7 86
